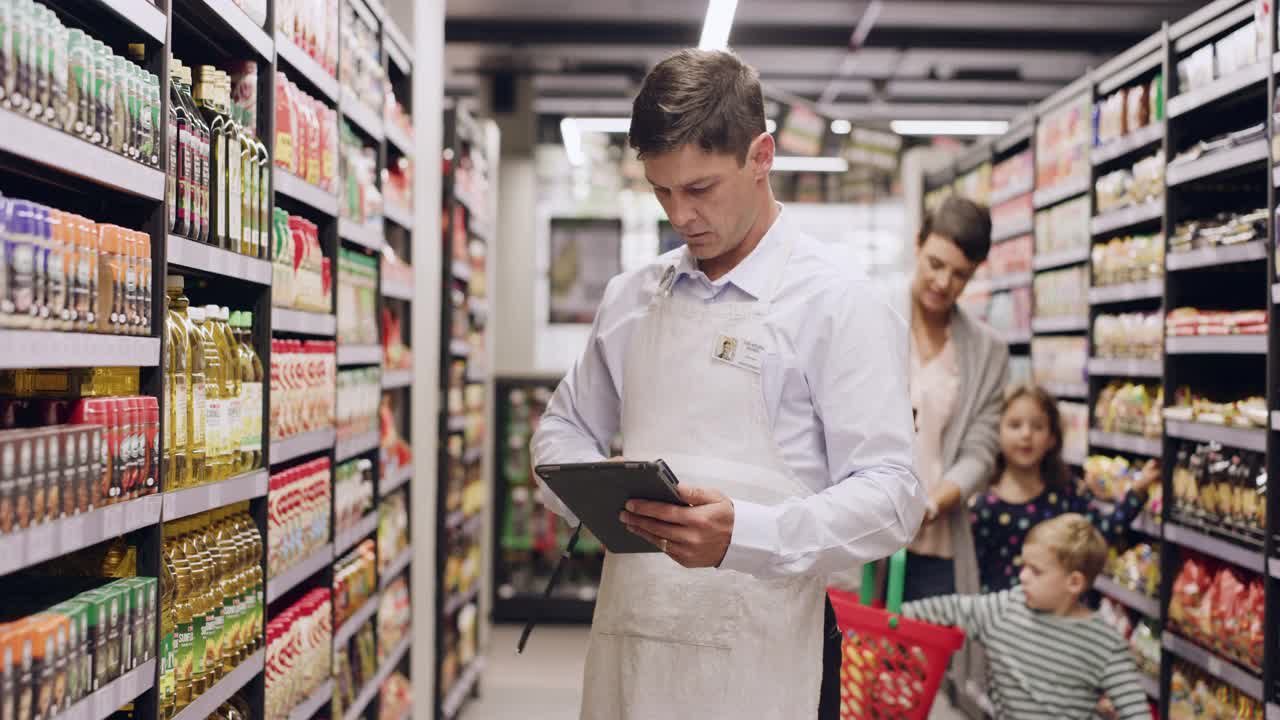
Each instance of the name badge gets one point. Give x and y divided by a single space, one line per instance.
738 352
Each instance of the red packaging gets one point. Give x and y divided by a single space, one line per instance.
151 442
284 145
97 411
1223 605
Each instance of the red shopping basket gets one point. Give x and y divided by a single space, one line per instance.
890 666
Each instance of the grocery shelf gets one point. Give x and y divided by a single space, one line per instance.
1148 606
217 261
1150 686
44 145
1070 256
399 216
397 291
461 688
289 579
316 700
358 445
1011 192
393 379
1273 711
399 49
371 688
1132 142
459 348
1273 568
1135 444
144 16
363 117
1216 162
24 548
1147 525
306 443
1243 438
461 270
347 539
1275 419
357 619
292 186
1183 103
107 700
457 423
1059 324
1225 670
455 519
367 234
1063 191
305 65
1275 176
46 349
1017 337
1123 218
397 138
205 705
303 322
1013 231
1219 255
1143 290
1222 549
1275 293
458 601
1216 345
472 456
236 19
395 567
1068 390
1125 368
392 480
191 501
359 354
363 8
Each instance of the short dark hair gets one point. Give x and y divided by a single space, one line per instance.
963 222
706 97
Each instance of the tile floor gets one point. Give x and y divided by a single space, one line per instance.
546 682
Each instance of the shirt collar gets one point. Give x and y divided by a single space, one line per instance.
754 274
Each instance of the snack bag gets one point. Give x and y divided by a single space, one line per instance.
1223 606
1188 591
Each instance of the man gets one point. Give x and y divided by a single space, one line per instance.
795 455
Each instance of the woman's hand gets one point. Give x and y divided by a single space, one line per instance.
1149 476
942 500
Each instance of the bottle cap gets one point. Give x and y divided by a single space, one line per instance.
196 315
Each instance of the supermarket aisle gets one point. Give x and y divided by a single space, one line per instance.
543 684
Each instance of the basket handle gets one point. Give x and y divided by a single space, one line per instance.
897 577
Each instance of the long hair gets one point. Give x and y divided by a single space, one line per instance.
1052 468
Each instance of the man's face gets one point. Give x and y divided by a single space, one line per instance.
942 272
707 195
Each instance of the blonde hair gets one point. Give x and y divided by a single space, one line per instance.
1074 541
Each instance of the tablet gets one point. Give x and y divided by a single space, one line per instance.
596 493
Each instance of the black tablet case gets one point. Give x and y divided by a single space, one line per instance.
597 492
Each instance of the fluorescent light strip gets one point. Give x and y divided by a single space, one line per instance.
792 163
615 125
715 28
841 127
572 137
949 127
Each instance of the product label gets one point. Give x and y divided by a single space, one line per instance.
179 414
199 416
234 228
230 622
284 149
213 639
186 199
57 279
214 428
184 658
173 172
234 424
168 666
22 281
251 418
198 640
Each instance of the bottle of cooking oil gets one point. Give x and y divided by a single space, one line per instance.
185 615
227 561
251 377
177 385
254 578
213 605
214 460
168 625
230 389
121 560
198 614
197 418
236 436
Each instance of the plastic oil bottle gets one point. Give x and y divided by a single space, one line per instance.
251 378
191 472
212 604
168 626
227 588
205 92
254 578
177 385
235 438
185 616
229 439
214 461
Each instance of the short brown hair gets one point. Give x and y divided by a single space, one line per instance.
706 97
1074 541
963 222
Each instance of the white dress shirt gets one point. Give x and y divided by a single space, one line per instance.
835 391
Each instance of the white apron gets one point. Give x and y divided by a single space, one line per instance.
668 642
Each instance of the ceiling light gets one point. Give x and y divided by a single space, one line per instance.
841 127
794 163
770 126
572 138
615 125
949 127
715 29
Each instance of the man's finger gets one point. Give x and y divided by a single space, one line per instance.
674 533
696 496
653 539
663 511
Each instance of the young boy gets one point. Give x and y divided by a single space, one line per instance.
1050 656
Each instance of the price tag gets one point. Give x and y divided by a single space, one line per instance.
1215 666
11 553
215 496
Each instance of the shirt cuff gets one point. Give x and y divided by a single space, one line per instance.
755 544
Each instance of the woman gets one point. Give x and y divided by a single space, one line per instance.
959 370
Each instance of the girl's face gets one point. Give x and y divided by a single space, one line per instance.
1025 435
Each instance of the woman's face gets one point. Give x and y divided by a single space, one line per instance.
942 272
1025 435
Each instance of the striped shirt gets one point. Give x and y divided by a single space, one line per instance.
1042 665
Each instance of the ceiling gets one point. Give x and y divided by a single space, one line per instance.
920 59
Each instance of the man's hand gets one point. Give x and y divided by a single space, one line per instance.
695 536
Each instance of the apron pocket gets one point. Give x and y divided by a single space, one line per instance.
654 598
637 678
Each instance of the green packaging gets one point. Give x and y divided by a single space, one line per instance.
79 657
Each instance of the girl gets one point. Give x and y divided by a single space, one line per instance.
1032 485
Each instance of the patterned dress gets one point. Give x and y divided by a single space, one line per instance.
1000 527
